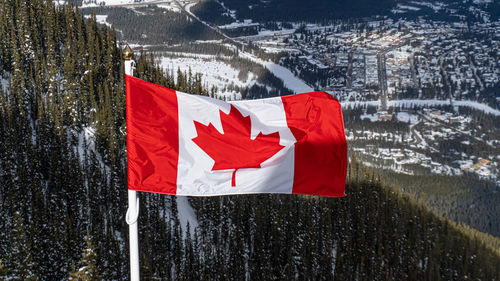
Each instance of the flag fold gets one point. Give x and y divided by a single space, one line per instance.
185 144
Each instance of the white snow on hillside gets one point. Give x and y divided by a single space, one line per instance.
100 19
436 6
186 214
169 7
86 142
96 3
280 32
60 2
86 147
215 73
289 79
4 83
408 7
238 24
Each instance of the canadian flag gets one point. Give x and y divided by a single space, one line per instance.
193 145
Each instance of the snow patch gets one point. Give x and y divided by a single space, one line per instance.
215 73
101 19
407 7
482 1
4 83
289 79
185 213
238 24
169 8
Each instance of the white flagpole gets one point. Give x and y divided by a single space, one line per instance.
133 201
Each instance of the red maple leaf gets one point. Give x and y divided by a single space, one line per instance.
234 149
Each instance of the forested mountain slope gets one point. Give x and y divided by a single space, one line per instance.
297 10
63 186
320 11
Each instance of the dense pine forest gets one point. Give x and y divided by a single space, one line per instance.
63 186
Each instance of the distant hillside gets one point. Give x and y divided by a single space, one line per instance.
319 11
298 10
153 25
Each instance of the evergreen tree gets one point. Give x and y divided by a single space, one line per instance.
20 264
87 267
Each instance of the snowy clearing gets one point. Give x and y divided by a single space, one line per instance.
100 19
291 81
215 73
186 214
169 7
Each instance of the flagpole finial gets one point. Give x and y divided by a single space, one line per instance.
128 53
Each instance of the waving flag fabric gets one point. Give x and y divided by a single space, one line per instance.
186 144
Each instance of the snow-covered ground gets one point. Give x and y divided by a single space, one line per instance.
4 83
186 214
291 81
86 142
170 7
279 32
100 19
237 24
94 3
86 147
215 73
60 2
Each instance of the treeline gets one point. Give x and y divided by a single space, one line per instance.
215 49
154 25
299 11
311 73
264 77
268 85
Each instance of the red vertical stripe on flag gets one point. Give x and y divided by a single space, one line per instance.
315 120
152 137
